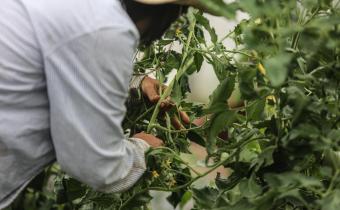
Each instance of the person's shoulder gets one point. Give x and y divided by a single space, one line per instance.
57 21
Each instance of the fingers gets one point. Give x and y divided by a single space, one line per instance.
166 104
184 116
153 141
153 97
177 123
200 121
149 88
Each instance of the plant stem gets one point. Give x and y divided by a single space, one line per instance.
144 114
174 131
331 185
183 68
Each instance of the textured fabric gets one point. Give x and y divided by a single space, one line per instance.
65 66
135 96
136 82
11 197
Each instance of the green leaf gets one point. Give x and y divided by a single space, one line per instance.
240 205
246 83
176 95
216 108
249 188
173 61
176 197
219 7
138 201
74 188
255 109
59 189
240 170
205 198
185 199
276 68
105 200
221 66
266 157
195 137
260 8
223 92
198 60
291 180
218 123
332 158
331 201
205 23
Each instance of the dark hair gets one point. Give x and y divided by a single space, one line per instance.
160 16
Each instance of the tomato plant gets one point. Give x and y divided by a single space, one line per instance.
283 144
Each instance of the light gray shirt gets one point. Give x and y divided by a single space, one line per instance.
65 67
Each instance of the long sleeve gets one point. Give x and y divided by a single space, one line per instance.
135 93
88 81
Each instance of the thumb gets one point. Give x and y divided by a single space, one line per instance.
153 96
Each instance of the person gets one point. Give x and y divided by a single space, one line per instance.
65 67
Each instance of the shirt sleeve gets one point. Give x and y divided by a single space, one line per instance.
88 81
135 93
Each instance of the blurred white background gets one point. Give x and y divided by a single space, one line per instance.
203 83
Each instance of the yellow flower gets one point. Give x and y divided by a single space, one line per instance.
261 69
258 21
155 174
168 162
271 97
172 182
178 32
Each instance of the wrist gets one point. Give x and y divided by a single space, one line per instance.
136 82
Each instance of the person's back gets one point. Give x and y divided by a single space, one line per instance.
35 37
25 144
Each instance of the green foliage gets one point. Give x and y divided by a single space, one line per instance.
283 144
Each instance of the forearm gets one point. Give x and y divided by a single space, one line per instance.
139 147
87 93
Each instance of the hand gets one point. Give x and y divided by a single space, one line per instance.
151 88
201 121
177 123
153 141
